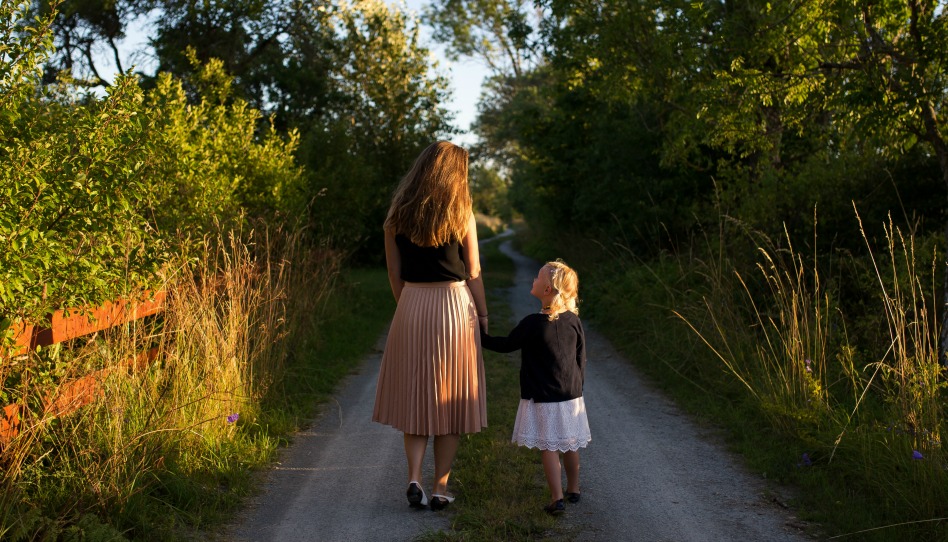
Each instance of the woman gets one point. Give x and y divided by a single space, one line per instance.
431 381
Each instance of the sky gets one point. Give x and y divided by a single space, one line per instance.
466 77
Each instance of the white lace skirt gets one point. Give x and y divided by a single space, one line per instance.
558 426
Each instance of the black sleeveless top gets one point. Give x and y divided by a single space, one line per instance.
430 264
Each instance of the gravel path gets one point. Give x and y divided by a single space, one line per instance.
649 474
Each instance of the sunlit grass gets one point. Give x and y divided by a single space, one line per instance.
247 345
776 338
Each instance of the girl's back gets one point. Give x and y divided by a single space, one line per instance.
552 353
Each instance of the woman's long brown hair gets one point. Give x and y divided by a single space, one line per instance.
432 203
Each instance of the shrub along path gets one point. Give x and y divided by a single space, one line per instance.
649 474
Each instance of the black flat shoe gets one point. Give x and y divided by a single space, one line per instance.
440 502
416 496
573 498
555 508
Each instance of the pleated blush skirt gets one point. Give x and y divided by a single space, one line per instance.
431 381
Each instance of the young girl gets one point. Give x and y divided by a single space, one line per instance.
552 414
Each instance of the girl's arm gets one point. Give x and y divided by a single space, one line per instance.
472 260
512 342
393 261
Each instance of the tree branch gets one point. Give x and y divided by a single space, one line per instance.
87 50
849 65
881 44
115 53
913 25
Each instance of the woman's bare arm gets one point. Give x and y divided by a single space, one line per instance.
472 259
393 261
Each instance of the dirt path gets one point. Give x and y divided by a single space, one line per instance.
649 473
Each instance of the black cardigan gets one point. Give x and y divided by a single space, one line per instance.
552 354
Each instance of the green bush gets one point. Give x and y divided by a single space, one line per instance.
98 193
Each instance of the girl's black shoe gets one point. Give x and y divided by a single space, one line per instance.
555 508
573 498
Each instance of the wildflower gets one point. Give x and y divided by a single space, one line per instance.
917 455
233 417
805 460
807 362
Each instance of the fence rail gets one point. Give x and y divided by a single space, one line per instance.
67 324
71 323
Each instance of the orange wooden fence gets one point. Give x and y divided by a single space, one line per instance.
68 324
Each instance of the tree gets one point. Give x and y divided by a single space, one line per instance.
504 35
489 192
81 30
501 33
888 71
98 193
386 107
23 50
827 78
351 78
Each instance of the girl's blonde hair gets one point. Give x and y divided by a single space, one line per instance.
432 203
565 283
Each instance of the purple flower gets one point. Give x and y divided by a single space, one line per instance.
807 362
917 455
233 417
805 460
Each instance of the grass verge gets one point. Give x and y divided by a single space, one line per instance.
347 326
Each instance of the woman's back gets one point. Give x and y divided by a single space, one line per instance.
430 264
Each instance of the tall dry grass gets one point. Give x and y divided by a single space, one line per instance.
163 442
783 337
771 327
912 379
869 408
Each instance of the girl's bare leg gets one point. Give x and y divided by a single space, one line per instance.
571 465
551 468
415 446
445 448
